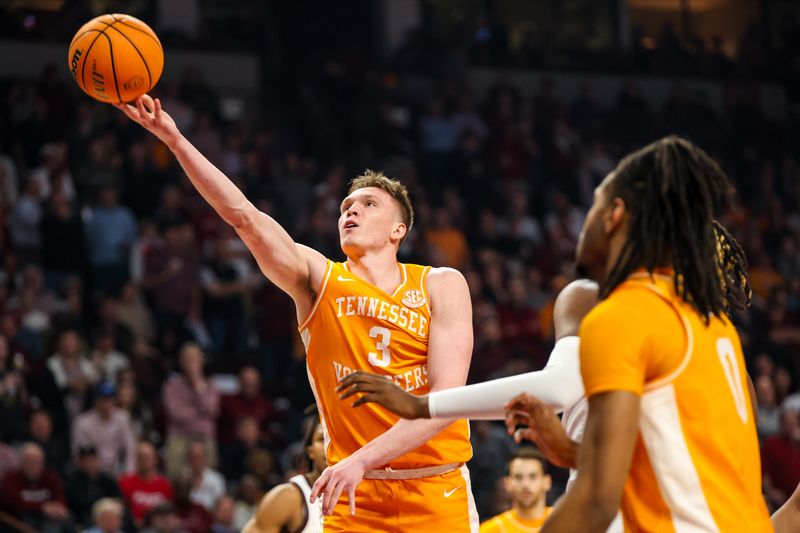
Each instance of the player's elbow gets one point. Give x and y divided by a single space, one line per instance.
242 217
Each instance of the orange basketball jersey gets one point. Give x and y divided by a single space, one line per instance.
354 325
696 463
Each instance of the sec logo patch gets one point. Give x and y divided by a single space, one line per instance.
413 298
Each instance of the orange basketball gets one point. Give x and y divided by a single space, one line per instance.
115 58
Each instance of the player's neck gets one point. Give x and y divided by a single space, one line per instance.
379 268
532 512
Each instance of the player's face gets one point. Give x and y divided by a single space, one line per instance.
602 220
316 451
370 219
526 482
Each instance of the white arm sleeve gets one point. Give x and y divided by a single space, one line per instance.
559 384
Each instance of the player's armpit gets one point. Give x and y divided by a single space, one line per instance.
281 507
604 459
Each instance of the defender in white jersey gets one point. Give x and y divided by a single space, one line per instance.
558 386
287 508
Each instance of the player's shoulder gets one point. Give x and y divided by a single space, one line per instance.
630 304
446 283
493 525
444 276
284 496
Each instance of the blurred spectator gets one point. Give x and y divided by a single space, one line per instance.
207 484
87 484
55 445
192 405
171 274
108 428
162 519
53 172
24 223
145 488
193 517
111 231
224 291
9 459
74 375
34 493
235 454
14 400
781 459
449 240
107 515
249 401
107 360
142 418
63 242
249 494
134 314
224 516
769 413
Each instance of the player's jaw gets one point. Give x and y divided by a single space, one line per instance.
594 243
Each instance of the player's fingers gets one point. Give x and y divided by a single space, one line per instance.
130 111
148 102
337 493
157 109
517 401
351 499
319 486
143 114
367 398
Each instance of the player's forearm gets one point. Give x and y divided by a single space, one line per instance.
558 384
579 511
219 191
787 518
403 437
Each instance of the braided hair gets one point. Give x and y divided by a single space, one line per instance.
670 189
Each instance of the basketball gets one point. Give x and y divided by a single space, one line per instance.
115 58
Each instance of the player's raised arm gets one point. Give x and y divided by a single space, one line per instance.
286 264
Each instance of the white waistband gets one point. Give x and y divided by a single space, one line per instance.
412 473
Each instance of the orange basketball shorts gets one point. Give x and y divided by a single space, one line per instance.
437 504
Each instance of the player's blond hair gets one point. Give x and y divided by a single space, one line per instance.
396 190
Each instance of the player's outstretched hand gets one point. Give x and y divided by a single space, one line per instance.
378 389
148 113
343 477
542 427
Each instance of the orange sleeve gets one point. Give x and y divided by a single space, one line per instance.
613 340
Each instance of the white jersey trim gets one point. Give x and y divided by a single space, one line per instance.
318 299
675 472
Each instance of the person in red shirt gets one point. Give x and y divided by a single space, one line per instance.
248 402
34 493
145 488
781 459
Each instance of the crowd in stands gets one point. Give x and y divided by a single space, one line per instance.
126 304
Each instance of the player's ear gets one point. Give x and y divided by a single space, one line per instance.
399 231
548 482
614 215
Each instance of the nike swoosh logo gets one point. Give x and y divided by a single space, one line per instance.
342 278
449 493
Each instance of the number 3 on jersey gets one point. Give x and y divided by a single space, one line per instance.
383 357
727 356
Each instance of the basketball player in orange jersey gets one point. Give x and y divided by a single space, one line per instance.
412 324
527 482
670 436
